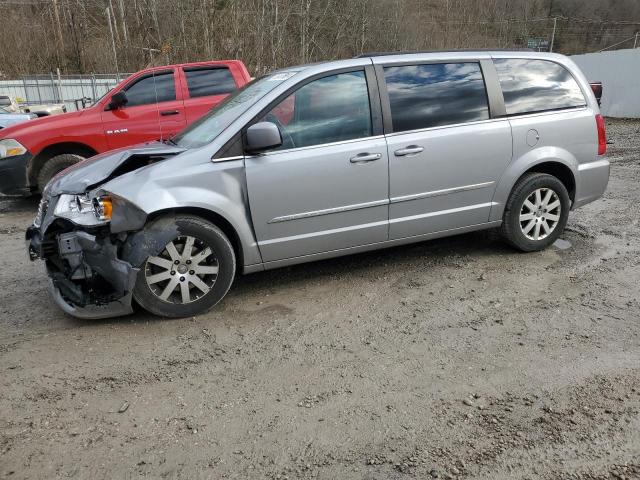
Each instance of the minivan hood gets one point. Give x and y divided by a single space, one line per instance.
89 173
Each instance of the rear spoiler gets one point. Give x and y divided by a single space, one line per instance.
596 87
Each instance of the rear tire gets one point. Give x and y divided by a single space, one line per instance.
193 272
536 212
55 165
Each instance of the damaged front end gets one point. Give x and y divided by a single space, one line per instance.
82 237
87 276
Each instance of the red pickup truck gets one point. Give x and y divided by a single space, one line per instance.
151 104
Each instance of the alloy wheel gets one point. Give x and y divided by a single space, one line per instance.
540 214
183 272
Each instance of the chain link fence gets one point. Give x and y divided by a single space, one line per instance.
75 91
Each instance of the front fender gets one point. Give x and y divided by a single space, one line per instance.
217 188
522 164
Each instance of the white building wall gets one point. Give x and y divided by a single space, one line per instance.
619 72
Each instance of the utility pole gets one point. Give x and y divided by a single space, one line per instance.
60 39
113 41
553 34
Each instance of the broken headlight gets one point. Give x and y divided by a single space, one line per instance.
42 210
83 210
103 207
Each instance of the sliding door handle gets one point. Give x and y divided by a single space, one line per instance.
410 150
166 113
365 157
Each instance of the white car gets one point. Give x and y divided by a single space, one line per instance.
9 118
12 105
45 110
9 104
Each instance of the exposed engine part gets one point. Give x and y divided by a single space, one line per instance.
84 267
69 249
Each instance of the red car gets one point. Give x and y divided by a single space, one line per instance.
152 104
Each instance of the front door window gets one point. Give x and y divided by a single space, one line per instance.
330 109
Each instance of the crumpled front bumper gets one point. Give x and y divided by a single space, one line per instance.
73 260
116 308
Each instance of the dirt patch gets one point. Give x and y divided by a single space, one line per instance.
456 358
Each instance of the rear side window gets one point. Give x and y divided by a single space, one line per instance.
532 86
209 81
433 95
155 88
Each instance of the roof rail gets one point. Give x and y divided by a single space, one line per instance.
409 52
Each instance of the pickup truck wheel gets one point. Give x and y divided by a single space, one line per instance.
193 272
536 212
55 165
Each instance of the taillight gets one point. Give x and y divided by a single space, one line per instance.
602 135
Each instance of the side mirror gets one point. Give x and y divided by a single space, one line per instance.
119 99
262 136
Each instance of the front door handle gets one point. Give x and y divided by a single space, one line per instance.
410 150
365 157
166 113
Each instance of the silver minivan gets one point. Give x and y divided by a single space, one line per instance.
323 160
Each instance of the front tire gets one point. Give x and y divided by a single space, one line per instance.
536 212
192 273
55 165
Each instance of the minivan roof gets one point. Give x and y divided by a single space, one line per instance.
396 58
435 55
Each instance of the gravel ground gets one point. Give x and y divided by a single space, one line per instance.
456 358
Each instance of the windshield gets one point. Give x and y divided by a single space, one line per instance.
206 129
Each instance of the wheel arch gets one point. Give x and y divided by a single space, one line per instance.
558 170
53 150
552 161
218 220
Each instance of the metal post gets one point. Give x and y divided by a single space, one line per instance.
38 88
60 94
553 34
26 91
93 87
54 90
635 40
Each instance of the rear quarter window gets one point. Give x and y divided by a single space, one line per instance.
531 86
209 81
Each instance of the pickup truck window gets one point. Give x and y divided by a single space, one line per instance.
203 81
160 87
532 86
207 128
432 95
